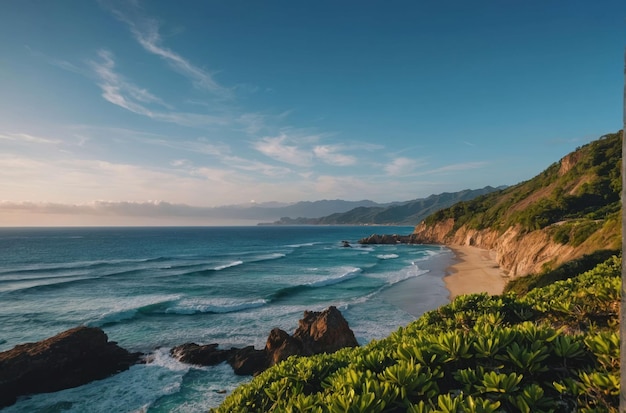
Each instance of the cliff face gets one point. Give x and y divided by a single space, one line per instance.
516 253
570 209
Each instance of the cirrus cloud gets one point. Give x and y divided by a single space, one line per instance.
330 155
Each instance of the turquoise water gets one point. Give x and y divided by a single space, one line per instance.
152 288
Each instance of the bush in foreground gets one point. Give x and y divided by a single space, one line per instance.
554 350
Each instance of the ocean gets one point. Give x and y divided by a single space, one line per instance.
153 288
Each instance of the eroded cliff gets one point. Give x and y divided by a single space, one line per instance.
516 253
569 210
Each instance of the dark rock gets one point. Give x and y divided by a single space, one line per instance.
318 332
69 359
248 361
281 345
324 332
389 239
204 355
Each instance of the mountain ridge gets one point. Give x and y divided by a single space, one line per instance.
397 213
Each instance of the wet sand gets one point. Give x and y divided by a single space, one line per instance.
474 271
426 292
456 271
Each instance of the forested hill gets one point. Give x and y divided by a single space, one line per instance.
570 209
404 213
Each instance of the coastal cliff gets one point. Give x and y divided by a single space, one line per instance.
569 210
517 253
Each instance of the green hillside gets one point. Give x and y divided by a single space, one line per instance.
574 199
554 350
403 213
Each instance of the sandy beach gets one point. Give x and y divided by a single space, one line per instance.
466 270
474 271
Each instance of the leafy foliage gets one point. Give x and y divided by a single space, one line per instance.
554 350
523 285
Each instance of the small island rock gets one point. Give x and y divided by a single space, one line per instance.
318 332
69 359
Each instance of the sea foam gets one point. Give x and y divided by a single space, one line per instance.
128 309
216 305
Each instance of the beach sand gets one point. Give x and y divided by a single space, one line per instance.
426 292
465 270
474 271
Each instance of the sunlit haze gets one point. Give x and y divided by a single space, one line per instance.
137 112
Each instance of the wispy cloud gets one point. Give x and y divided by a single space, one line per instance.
253 123
120 208
302 150
458 167
24 137
278 148
121 92
401 166
60 63
330 155
219 152
346 187
258 167
146 31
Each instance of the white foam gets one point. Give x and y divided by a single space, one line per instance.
349 273
387 256
306 244
138 389
133 390
272 256
215 305
26 284
230 264
161 357
125 310
395 277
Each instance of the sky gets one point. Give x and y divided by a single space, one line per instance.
113 105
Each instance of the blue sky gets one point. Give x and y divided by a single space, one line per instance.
210 103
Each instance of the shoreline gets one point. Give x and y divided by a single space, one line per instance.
426 292
458 270
474 270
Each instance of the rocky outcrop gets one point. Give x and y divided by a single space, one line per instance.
69 359
324 332
280 345
318 332
388 239
204 355
248 361
517 252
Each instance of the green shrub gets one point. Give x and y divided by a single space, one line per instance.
554 350
523 285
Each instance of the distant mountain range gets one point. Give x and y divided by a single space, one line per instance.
273 211
371 213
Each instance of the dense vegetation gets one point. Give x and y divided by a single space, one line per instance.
575 198
523 285
556 349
